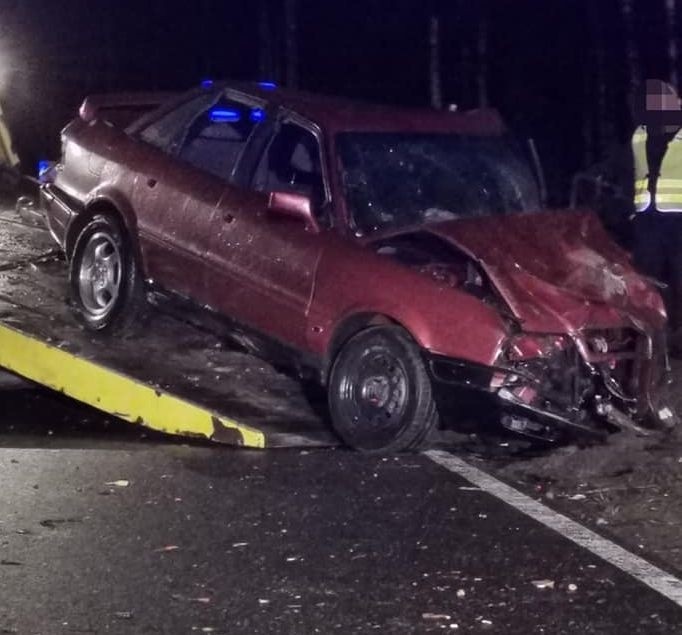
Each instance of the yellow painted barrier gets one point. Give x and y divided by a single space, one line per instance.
116 393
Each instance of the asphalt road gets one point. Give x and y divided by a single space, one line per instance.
107 529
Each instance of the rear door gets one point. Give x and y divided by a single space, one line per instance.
183 187
155 205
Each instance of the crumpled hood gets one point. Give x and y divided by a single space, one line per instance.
558 271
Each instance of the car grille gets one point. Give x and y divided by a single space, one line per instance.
624 358
623 343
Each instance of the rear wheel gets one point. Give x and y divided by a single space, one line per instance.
106 285
380 394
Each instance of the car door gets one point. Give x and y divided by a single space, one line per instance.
183 193
265 263
158 206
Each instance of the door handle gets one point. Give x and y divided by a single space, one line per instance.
151 182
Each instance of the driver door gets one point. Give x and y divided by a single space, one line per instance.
272 259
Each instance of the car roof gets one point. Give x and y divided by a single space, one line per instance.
337 114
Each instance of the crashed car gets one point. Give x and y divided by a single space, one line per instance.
401 256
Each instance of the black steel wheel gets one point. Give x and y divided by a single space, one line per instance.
106 286
380 395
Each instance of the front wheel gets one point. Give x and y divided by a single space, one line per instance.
106 285
380 394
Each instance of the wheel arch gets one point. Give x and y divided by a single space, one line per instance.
103 205
351 326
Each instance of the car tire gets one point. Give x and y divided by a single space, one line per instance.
107 289
380 395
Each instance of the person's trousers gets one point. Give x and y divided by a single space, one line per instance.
657 253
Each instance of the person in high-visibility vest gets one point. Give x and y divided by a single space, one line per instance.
657 157
8 157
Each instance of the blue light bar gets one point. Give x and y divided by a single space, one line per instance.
267 85
43 166
257 114
206 83
224 115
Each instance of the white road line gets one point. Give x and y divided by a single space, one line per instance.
659 580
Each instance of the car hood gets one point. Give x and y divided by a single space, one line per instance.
558 271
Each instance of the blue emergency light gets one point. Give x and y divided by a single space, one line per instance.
43 166
206 83
224 115
267 85
257 114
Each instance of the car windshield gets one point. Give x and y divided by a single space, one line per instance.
397 179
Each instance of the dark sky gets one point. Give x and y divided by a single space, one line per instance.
542 59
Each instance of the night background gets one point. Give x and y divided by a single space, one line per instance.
560 71
496 446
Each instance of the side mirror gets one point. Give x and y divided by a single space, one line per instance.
295 206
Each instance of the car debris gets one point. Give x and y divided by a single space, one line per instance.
119 483
406 264
167 549
543 584
436 616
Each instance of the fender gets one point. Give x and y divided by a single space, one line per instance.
106 198
440 319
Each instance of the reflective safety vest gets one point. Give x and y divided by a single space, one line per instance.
668 195
7 154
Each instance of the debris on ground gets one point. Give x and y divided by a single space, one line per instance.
166 549
629 485
543 584
436 616
120 483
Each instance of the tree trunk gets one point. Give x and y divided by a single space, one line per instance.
434 62
265 64
482 50
627 10
672 40
597 85
291 22
588 121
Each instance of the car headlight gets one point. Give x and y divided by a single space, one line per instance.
532 346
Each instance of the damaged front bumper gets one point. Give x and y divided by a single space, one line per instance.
588 387
496 392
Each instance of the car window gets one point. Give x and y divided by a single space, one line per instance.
213 141
162 132
392 180
292 163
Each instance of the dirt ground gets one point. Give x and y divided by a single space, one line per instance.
629 488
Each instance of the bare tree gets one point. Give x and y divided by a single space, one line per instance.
265 62
434 61
627 11
670 9
596 96
291 22
482 50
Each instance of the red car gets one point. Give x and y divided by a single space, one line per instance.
401 255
